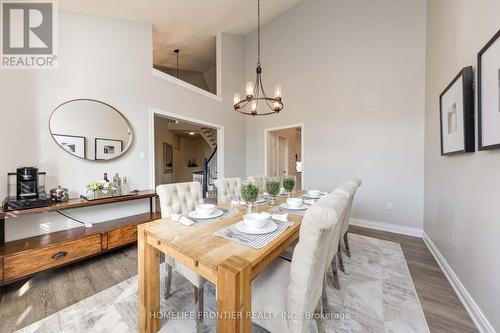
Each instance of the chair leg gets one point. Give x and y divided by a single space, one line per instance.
319 323
346 244
168 280
336 282
198 300
341 260
324 299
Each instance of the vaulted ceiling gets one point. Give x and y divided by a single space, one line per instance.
188 25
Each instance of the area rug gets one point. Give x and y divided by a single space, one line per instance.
377 295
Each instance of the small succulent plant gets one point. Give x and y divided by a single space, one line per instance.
273 187
289 183
249 192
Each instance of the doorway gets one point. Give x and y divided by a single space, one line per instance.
283 152
185 150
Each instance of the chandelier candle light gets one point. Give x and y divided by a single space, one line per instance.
254 92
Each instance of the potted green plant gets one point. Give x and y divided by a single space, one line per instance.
100 189
288 184
273 189
249 193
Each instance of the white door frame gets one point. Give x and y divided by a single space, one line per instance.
266 135
152 164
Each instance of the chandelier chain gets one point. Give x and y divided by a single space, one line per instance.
258 32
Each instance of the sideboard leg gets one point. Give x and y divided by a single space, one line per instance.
2 230
150 208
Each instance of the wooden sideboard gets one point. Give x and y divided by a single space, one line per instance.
25 257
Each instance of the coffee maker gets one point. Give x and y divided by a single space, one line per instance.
27 191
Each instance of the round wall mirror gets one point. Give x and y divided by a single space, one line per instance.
90 129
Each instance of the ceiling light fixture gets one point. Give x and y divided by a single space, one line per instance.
191 133
255 93
177 69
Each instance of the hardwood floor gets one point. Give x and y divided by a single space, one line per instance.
442 308
30 300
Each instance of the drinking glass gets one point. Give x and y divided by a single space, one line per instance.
273 189
288 184
235 205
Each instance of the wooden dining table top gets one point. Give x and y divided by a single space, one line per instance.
202 251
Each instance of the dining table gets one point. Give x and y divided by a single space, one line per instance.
230 266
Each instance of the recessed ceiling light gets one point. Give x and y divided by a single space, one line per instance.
191 133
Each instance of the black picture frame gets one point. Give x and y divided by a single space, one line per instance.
481 146
468 112
54 135
95 147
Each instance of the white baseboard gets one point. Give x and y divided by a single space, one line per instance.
397 229
482 323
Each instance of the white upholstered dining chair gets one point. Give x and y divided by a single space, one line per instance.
227 189
259 181
348 190
332 201
181 198
296 287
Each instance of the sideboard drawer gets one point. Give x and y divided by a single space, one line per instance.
122 236
37 260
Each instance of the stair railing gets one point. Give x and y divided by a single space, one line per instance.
210 169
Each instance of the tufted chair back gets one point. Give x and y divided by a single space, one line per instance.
311 257
179 198
260 182
227 188
349 190
335 200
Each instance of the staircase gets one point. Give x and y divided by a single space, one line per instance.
210 136
209 173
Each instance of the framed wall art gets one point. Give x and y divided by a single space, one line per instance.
106 149
456 115
76 145
488 73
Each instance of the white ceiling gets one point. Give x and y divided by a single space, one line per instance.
189 25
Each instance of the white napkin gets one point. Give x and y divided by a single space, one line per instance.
181 219
279 217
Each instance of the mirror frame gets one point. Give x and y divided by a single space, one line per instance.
101 102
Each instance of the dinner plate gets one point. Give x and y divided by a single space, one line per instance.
302 207
311 197
270 226
195 215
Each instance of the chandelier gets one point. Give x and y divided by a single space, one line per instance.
254 92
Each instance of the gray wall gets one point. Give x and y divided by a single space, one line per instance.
353 73
462 192
96 60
